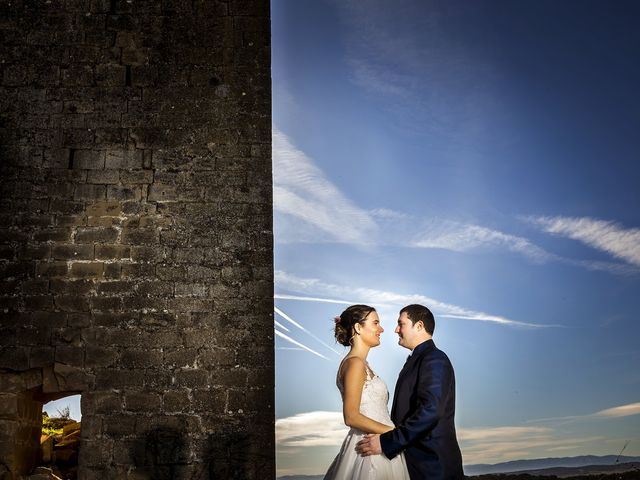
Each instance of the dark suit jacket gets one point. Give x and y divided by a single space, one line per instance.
423 412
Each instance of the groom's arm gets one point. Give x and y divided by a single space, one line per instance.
434 384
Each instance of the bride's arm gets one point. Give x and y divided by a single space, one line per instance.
354 377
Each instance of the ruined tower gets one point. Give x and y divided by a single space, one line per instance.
136 234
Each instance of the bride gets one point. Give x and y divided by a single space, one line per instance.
364 399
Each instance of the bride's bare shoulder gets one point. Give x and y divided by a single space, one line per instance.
352 365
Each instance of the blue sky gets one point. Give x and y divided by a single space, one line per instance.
480 158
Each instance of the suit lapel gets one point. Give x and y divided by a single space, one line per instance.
406 368
418 352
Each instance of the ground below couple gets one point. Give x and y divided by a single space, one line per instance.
418 439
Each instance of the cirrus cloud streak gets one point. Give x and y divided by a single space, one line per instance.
316 288
607 236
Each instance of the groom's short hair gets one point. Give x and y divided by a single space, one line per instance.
420 313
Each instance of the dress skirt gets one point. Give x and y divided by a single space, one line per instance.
349 465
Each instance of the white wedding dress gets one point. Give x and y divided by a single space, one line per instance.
348 465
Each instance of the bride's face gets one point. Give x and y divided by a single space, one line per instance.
371 330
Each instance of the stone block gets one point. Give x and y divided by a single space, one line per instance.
41 356
228 377
110 252
140 236
72 379
124 159
96 453
162 193
137 270
112 270
52 235
78 320
70 355
211 401
8 406
119 379
136 177
32 335
72 252
124 193
192 378
89 159
96 356
96 235
117 287
104 209
35 252
190 290
190 304
76 138
87 269
158 319
14 358
170 272
90 192
143 402
180 358
138 358
71 303
105 304
47 319
176 402
147 254
110 75
102 221
71 287
70 220
106 177
102 402
154 288
137 303
51 269
214 357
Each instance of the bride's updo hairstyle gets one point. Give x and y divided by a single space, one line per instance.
345 323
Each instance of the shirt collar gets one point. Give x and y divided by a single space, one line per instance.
422 346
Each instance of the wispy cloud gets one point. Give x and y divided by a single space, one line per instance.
311 299
607 236
621 411
311 429
500 433
279 325
478 444
319 289
612 412
464 237
310 208
305 330
295 342
501 444
302 191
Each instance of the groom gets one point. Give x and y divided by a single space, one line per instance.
423 405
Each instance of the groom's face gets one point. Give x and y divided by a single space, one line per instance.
407 332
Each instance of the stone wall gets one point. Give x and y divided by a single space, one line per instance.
136 234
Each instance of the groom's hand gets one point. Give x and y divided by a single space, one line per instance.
369 445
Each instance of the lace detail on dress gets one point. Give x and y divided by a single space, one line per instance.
375 396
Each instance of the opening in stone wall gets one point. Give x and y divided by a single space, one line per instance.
60 438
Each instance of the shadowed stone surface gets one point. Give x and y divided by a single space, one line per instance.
136 234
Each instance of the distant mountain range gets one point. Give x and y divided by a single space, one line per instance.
544 463
563 466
